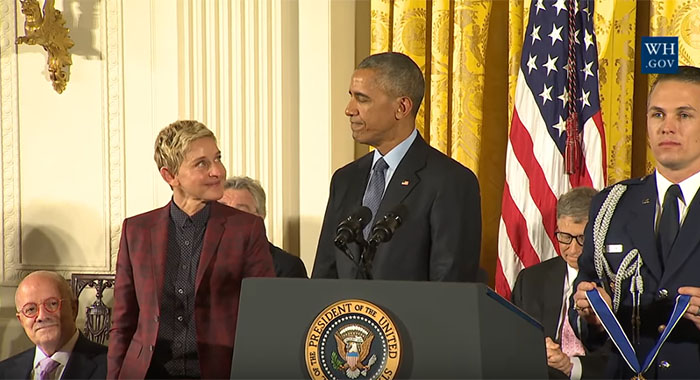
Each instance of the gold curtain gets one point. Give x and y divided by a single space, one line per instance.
470 53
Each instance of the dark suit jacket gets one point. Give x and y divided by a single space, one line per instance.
440 237
286 264
632 226
87 361
539 291
234 247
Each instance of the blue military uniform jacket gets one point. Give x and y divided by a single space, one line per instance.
632 226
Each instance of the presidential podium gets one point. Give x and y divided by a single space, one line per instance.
446 331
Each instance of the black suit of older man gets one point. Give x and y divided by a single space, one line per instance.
539 290
87 361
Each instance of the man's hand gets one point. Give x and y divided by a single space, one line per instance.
583 307
556 358
693 311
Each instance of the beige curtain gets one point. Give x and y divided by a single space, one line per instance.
470 53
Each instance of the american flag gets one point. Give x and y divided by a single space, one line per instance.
537 171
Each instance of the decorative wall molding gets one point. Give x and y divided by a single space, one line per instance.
9 125
12 267
114 143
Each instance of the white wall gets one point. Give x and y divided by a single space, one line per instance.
269 77
326 38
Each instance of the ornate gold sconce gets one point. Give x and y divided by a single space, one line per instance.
48 30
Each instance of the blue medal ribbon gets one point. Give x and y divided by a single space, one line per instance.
614 330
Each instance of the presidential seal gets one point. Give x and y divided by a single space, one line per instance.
352 339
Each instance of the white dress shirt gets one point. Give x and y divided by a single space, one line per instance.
61 356
569 278
689 187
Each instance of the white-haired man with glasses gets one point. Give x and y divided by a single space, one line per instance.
46 309
543 291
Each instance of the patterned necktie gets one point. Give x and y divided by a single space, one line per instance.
669 222
570 345
46 368
374 192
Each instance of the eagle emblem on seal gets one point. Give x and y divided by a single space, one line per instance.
354 342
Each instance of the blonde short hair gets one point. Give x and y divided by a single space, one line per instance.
174 140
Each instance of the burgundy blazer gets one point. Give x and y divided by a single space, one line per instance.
234 247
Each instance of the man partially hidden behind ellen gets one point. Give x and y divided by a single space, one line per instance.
180 267
440 235
652 224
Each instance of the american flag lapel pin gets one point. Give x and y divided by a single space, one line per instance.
404 182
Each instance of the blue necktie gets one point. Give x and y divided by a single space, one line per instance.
669 224
374 192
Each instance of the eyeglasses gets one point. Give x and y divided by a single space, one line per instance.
565 238
31 309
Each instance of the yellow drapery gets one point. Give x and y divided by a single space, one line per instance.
470 53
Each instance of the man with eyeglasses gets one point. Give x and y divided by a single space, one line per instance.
46 309
543 291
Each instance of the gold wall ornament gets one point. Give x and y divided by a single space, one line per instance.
48 30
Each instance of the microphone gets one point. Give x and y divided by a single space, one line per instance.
350 229
384 229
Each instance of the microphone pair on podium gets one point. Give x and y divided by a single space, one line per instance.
351 230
